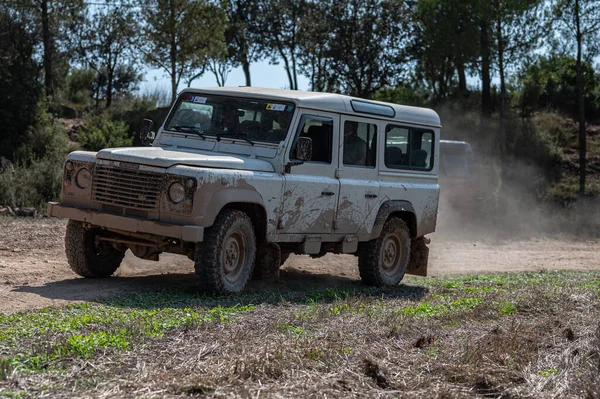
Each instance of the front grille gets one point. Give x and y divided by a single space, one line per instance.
127 188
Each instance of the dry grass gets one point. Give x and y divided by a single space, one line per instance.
511 336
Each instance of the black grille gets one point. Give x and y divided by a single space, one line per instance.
127 188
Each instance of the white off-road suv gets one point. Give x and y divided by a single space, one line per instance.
238 179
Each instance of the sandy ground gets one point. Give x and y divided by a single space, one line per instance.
34 271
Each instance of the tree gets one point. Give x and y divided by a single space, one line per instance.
52 22
220 67
314 56
551 83
19 83
578 23
280 22
181 36
241 36
442 45
105 44
516 33
368 40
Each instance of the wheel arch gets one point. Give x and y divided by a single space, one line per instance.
399 208
245 200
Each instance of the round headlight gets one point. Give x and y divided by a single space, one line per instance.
83 178
176 192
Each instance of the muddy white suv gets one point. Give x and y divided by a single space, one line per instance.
238 179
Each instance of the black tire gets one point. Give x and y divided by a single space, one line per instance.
88 257
224 261
383 261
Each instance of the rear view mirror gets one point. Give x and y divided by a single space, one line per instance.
146 134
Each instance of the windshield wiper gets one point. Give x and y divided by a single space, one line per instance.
191 129
234 136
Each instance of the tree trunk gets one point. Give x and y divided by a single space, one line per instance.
294 72
462 78
286 64
109 87
500 43
246 68
486 96
47 42
173 53
580 105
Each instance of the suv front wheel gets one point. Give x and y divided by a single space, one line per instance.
88 256
224 261
383 261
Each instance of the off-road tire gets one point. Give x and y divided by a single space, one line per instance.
229 248
86 256
268 262
383 261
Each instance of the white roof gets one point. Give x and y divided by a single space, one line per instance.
326 102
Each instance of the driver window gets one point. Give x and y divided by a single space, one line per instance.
320 130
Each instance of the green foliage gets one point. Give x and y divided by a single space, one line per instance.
427 309
549 372
404 95
100 132
84 329
508 308
550 83
36 176
176 41
78 87
19 83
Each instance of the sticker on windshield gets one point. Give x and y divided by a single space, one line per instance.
275 107
197 99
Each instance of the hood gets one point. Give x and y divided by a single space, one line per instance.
157 156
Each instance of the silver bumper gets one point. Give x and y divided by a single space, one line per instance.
184 233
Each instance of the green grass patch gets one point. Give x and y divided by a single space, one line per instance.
427 309
508 308
39 339
549 372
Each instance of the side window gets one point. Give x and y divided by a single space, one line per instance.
396 147
320 130
360 143
410 148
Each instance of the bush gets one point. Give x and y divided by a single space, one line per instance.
550 83
100 133
20 88
36 177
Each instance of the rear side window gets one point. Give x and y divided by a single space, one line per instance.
408 148
320 130
360 144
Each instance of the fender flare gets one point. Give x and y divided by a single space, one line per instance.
228 196
389 207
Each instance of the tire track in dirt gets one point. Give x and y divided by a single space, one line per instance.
34 272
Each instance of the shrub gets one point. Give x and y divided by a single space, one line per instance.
36 176
100 132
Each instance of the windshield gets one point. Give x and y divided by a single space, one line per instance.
220 116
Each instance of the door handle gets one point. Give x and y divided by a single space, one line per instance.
327 193
370 195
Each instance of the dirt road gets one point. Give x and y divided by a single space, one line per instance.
34 272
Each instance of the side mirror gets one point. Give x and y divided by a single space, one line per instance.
303 149
302 152
146 134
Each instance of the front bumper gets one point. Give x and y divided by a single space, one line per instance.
184 233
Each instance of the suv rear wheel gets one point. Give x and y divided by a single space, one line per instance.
383 261
224 261
88 256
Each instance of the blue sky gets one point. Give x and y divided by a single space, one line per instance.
261 73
